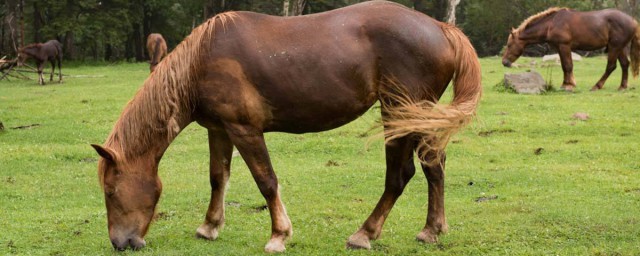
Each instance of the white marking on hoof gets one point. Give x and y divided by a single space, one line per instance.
426 236
274 246
358 241
205 231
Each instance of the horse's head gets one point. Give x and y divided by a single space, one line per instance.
22 57
515 47
131 192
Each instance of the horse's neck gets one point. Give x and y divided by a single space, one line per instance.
536 32
148 125
33 52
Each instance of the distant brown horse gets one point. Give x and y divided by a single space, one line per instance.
50 51
242 74
157 49
568 30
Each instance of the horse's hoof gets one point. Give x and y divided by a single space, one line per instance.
274 246
622 88
568 88
358 241
207 232
595 88
426 236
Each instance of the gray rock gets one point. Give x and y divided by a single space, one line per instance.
556 57
525 83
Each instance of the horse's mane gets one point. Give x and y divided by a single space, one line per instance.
153 113
538 16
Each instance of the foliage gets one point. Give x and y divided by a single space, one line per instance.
524 179
116 29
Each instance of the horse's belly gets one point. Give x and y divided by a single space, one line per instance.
313 119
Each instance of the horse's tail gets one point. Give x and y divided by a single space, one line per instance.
434 123
59 49
635 52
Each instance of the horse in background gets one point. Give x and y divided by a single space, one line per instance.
157 49
242 74
50 51
568 30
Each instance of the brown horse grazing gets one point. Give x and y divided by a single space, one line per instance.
568 30
157 49
51 51
242 74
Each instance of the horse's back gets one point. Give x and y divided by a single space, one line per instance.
320 71
593 30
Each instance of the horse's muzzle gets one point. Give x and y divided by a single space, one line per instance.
506 63
135 243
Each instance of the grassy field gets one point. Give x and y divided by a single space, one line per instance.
525 179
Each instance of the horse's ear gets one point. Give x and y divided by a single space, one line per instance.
106 153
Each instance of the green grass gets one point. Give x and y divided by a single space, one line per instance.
580 195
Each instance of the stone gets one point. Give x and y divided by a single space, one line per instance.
581 116
525 83
556 57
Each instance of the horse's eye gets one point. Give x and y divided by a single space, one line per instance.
109 192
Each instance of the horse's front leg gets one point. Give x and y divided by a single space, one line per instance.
250 143
40 77
220 151
569 82
612 56
400 169
436 221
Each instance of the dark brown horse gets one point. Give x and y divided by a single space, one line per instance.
568 30
50 51
242 74
157 49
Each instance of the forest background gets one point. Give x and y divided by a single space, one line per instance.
115 30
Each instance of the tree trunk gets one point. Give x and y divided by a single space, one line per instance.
285 8
298 7
138 42
21 23
418 5
37 23
451 11
11 19
68 46
628 6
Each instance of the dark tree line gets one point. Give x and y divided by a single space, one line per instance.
116 29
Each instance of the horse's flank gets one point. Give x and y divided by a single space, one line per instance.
165 94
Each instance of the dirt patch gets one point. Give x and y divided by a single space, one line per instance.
331 163
491 132
260 208
486 198
22 127
538 151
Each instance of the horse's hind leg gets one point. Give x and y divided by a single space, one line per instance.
436 221
59 70
400 169
624 64
220 150
612 56
53 69
251 145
